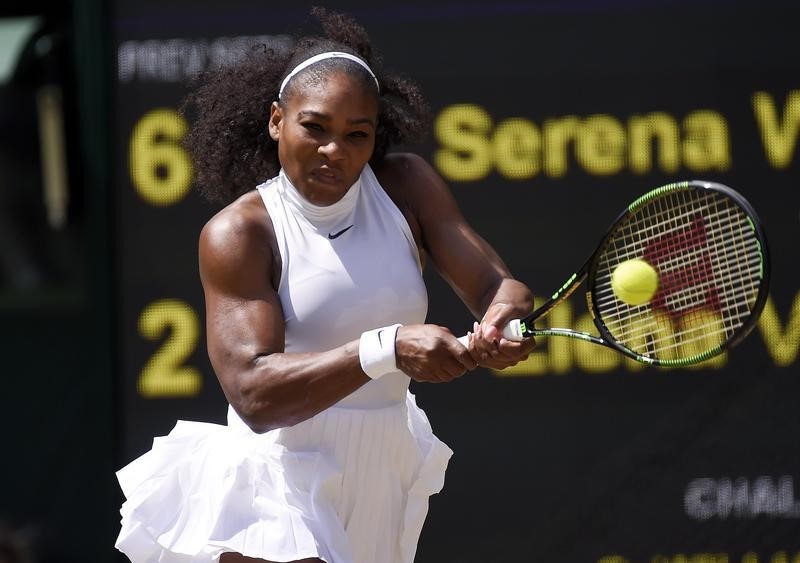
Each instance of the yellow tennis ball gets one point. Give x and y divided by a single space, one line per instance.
634 281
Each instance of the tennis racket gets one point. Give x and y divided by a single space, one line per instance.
705 249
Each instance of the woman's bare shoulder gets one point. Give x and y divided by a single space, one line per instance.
245 217
402 168
238 237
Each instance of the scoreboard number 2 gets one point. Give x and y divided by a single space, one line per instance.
165 375
160 167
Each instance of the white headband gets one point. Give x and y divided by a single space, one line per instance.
321 57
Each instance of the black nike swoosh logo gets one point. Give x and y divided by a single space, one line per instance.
340 233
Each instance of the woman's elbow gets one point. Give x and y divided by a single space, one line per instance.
263 413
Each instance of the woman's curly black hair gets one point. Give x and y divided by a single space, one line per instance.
229 138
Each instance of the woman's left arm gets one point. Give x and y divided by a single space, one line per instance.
465 260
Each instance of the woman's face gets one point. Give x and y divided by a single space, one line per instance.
326 135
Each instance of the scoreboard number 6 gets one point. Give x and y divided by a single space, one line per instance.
165 375
161 169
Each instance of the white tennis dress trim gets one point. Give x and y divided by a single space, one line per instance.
281 496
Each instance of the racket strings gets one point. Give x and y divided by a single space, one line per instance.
749 256
683 304
708 258
739 295
729 257
684 300
720 219
661 334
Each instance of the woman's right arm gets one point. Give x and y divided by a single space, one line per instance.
267 387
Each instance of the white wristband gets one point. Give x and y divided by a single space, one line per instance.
376 351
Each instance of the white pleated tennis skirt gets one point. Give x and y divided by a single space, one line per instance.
346 486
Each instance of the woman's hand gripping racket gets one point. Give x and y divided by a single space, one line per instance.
679 277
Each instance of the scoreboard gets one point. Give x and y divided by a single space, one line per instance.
548 119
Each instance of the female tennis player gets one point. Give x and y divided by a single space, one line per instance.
316 310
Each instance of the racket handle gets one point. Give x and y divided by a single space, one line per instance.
512 331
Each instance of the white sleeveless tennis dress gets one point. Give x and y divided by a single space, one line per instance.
349 485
